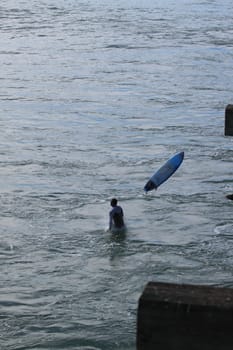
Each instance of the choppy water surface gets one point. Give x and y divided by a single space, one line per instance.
96 95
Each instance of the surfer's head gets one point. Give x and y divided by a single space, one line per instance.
113 202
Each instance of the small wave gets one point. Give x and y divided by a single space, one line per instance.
6 247
117 46
225 229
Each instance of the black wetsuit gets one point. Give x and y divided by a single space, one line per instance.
116 217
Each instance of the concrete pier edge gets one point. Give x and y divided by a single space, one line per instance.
229 120
181 316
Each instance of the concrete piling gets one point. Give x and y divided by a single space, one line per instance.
229 120
185 317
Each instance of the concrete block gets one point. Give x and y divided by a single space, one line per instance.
185 317
229 120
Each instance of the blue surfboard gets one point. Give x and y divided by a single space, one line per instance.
164 172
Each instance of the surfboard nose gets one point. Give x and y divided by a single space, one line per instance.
182 155
150 185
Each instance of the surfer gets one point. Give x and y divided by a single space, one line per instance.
116 217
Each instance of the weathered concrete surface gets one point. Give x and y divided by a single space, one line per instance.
185 317
229 120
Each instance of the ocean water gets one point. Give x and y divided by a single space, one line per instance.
95 96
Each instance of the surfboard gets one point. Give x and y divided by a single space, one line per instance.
163 173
